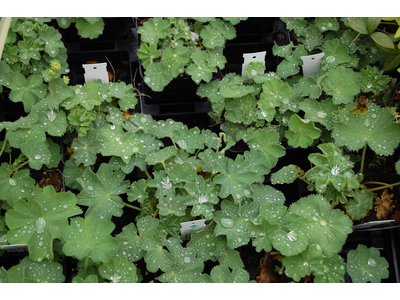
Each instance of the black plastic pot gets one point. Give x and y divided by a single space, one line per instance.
386 241
117 47
178 98
255 35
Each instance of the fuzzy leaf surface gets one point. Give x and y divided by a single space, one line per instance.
119 270
366 265
89 237
101 191
375 128
323 226
40 221
18 186
302 132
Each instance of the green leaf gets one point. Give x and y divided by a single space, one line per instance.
86 95
236 176
274 92
90 27
235 224
163 184
212 37
266 142
366 265
358 25
342 84
86 148
189 140
118 143
323 226
332 167
18 186
360 205
392 62
161 155
176 59
334 270
148 53
302 132
37 152
262 235
54 122
40 221
222 274
22 135
199 70
52 39
383 40
319 111
137 191
28 91
186 267
291 240
375 128
157 76
89 237
153 30
255 68
206 244
372 24
129 243
287 174
327 23
40 272
241 110
119 270
302 264
203 194
235 88
101 191
266 194
335 53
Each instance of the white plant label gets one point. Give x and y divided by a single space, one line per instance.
312 63
96 71
188 227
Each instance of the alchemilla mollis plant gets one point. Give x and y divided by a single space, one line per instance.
185 172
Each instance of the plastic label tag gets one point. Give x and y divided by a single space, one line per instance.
15 248
96 71
372 223
188 227
252 57
312 63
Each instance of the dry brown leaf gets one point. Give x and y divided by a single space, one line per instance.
384 205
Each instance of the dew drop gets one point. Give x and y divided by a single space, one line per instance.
40 225
372 262
12 182
37 156
186 260
228 223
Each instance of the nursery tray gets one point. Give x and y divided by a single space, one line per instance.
178 98
265 33
118 61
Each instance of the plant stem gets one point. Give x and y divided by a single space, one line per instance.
363 158
132 206
383 187
147 173
3 147
86 262
155 213
375 182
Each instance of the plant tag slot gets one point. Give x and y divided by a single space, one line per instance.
188 227
15 248
311 63
252 57
96 71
